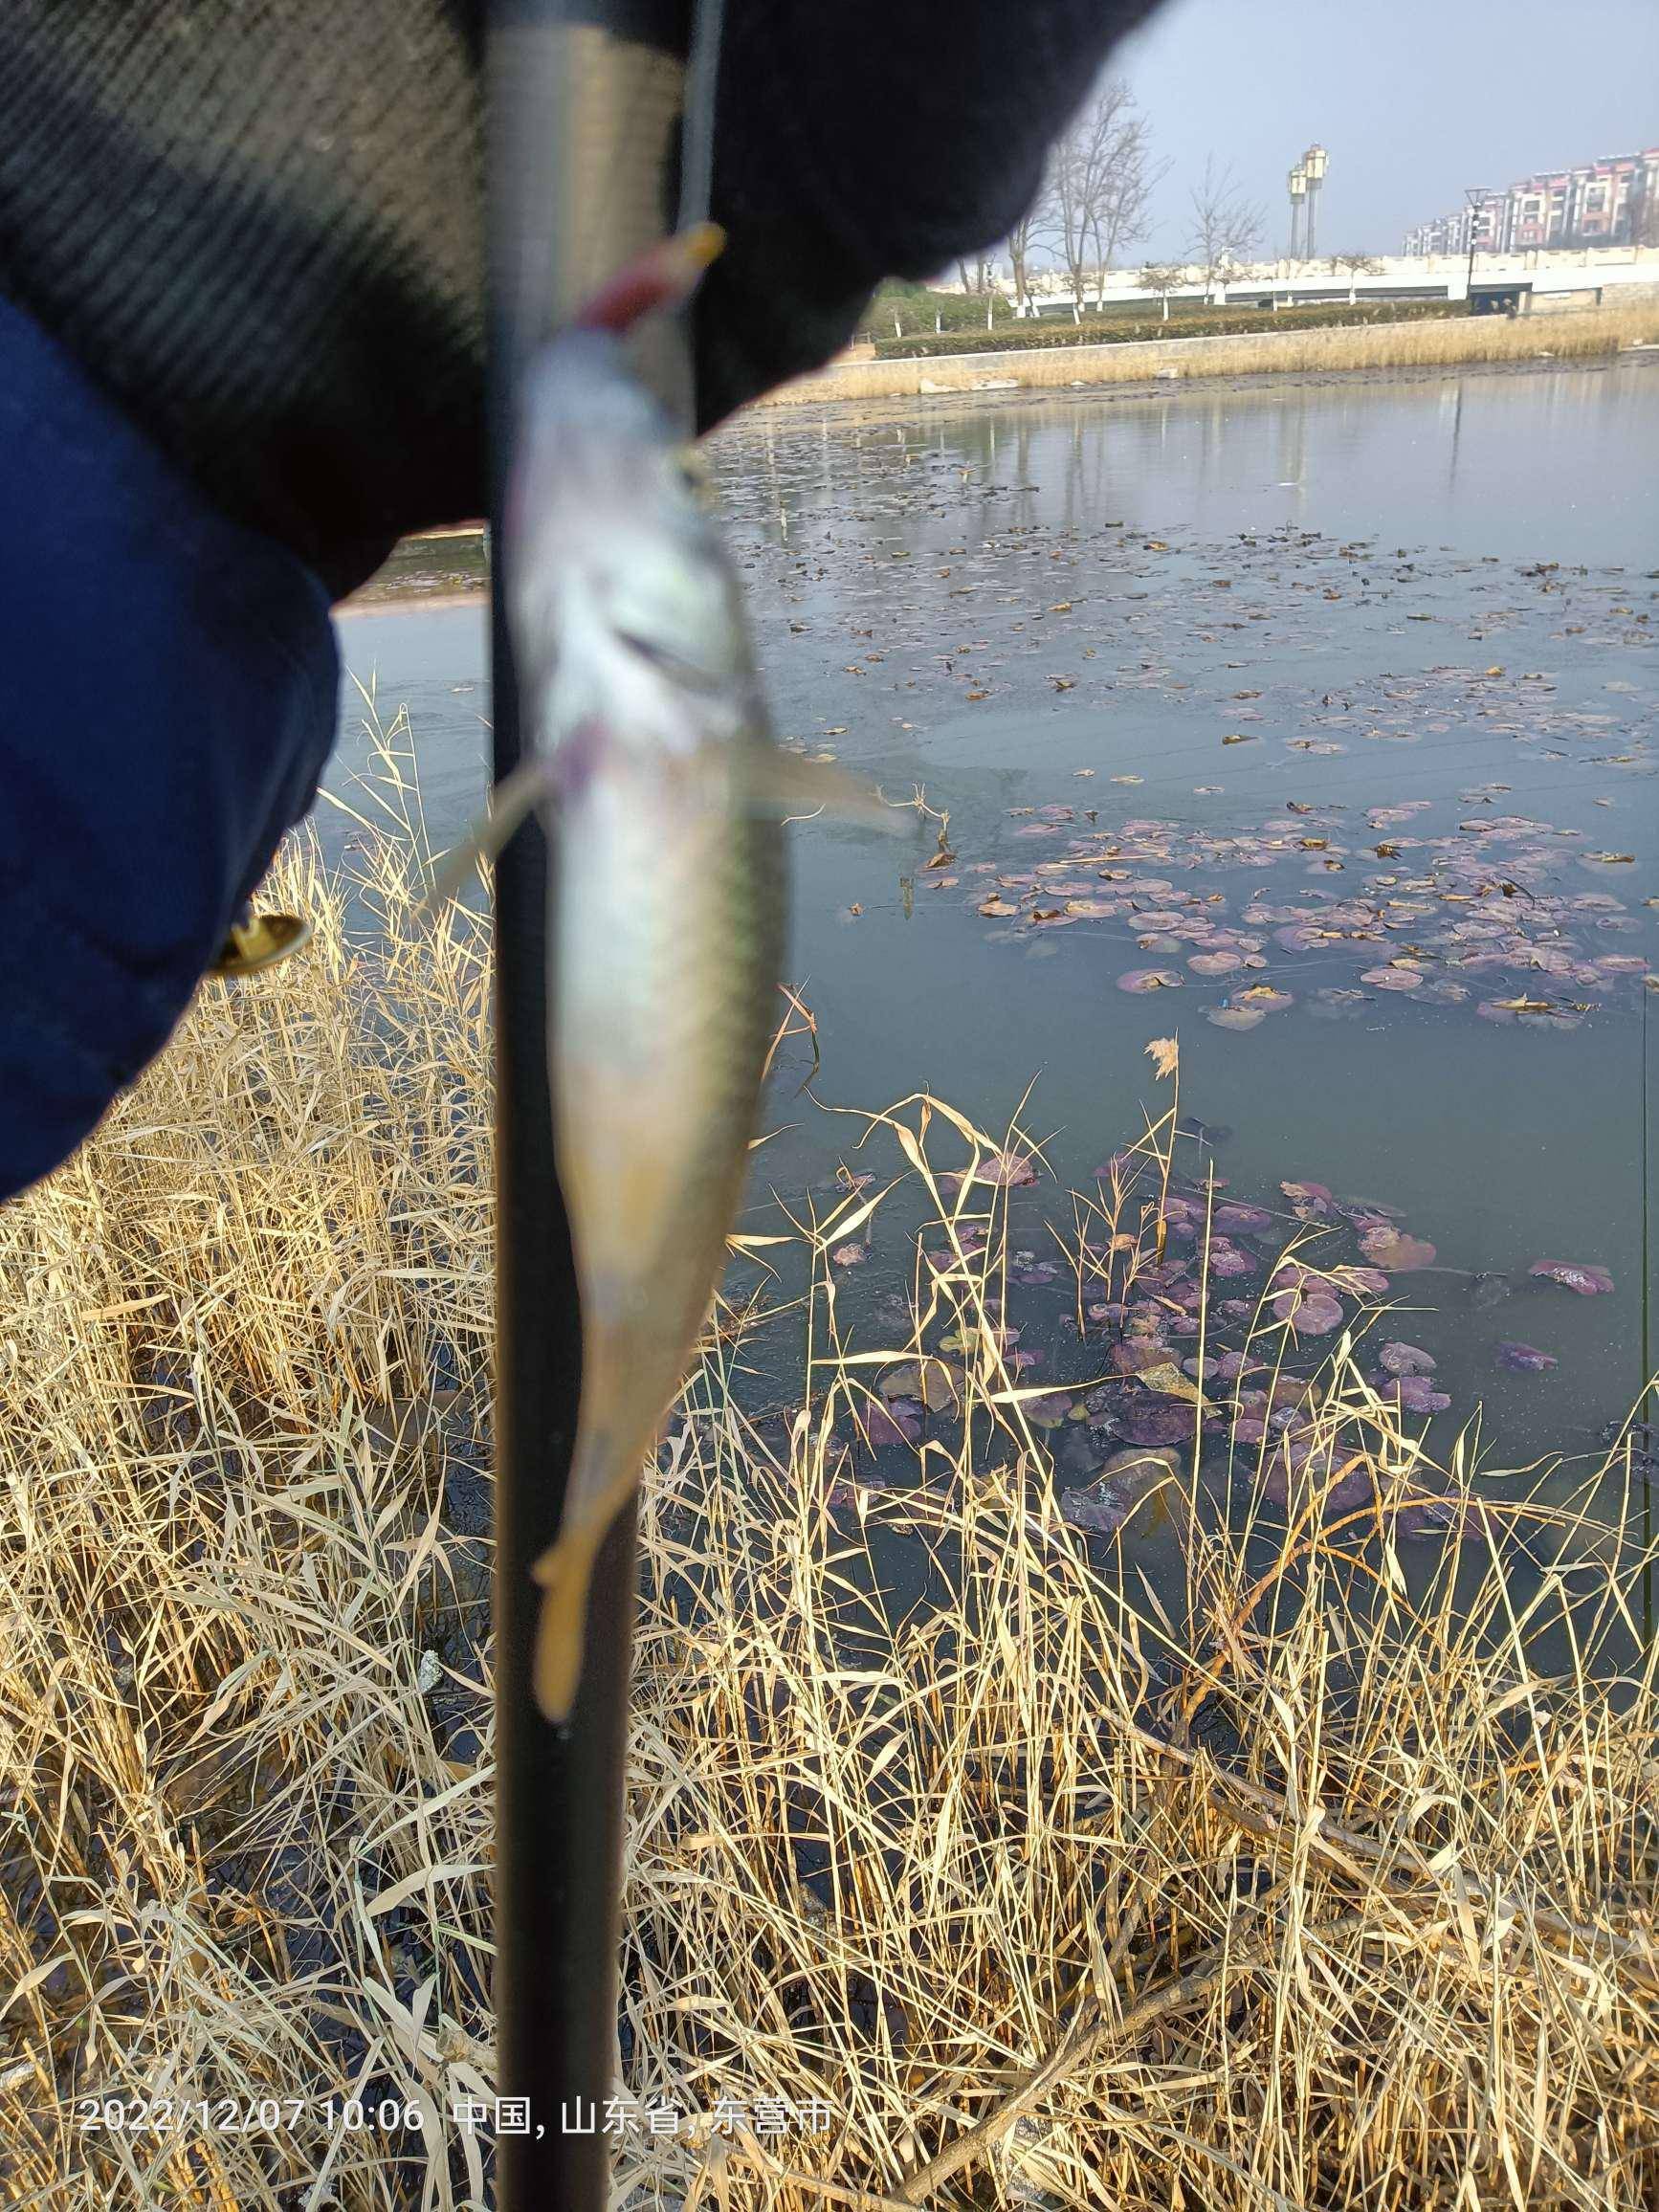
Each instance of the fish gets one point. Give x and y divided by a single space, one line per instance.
652 764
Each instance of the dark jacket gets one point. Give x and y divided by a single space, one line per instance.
259 226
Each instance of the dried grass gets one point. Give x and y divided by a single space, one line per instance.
1576 334
1287 1877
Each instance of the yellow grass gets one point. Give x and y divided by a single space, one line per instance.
1279 1879
1580 335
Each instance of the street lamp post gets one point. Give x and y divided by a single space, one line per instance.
1298 191
1314 163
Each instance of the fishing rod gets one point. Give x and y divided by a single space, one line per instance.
583 107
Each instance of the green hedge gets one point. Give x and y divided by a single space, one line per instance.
916 308
1113 330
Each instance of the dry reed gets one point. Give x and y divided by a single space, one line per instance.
1277 1874
1582 334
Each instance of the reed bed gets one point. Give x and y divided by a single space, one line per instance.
1577 335
1258 1864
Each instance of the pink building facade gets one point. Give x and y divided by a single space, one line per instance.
1613 202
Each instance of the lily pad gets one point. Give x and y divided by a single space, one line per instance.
1006 1169
1050 1410
1586 1279
1149 980
1522 1358
1395 1251
1416 1394
1405 1359
1236 1219
1227 1259
1393 978
1310 1313
1134 1358
1310 1201
897 1423
936 1383
1158 1421
1097 1511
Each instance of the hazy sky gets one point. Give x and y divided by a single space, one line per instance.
1413 99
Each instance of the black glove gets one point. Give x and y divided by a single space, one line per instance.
259 228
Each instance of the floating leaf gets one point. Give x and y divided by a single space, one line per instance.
1168 1382
1149 980
1405 1359
1417 1394
1309 1201
881 1426
1097 1513
1227 1259
1586 1280
1006 1169
1395 1251
1393 978
1522 1358
1310 1313
1135 1358
1155 1420
1050 1410
1236 1218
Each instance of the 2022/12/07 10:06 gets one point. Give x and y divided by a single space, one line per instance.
237 2116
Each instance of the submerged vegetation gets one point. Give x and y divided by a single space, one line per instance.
1178 1843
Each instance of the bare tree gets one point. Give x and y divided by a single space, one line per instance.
1027 234
1100 179
1161 278
1226 228
1357 265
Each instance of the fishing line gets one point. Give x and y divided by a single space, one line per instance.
698 136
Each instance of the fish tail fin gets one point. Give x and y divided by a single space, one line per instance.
565 1573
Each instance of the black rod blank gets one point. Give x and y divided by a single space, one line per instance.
582 117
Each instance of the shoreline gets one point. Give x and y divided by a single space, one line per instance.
1475 340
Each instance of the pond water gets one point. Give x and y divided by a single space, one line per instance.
1175 666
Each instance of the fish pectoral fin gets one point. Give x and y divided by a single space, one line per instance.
510 801
780 783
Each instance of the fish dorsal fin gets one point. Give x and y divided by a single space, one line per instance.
786 785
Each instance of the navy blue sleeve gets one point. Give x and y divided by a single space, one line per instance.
168 688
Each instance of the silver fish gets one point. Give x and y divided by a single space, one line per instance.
657 773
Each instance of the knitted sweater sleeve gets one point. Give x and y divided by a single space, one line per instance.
257 223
